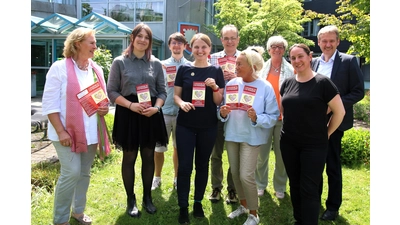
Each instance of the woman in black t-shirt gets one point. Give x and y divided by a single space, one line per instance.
306 100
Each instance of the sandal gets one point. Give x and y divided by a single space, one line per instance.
83 219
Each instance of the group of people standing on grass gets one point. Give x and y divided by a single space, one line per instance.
298 109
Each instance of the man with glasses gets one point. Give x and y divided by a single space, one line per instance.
230 40
177 44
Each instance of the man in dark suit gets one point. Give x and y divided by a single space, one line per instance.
344 71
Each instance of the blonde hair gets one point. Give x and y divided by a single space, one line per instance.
77 35
254 57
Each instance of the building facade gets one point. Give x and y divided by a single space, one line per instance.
52 20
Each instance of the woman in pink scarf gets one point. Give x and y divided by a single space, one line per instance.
73 130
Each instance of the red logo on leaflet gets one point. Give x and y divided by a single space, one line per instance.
188 30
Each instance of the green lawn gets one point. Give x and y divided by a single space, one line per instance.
107 201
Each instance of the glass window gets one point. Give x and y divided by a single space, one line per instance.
126 11
149 11
210 12
122 12
42 58
115 46
100 8
310 28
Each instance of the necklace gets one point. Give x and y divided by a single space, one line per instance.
275 69
85 67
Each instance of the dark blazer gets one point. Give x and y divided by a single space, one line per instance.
347 76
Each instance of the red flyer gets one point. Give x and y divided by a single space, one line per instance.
92 98
231 64
199 93
247 99
171 74
222 63
232 96
143 94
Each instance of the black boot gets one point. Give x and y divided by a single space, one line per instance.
148 205
183 216
132 209
198 210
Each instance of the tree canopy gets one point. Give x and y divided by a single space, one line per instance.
259 21
353 22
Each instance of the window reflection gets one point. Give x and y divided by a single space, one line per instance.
126 11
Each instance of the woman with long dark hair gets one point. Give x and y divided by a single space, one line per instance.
136 84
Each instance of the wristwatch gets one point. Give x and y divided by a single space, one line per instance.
158 108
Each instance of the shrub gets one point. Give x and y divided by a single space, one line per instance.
362 109
103 58
356 147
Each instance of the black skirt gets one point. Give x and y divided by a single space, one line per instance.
132 130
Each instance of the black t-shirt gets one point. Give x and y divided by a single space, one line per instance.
202 117
304 108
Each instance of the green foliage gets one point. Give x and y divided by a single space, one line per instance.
356 147
107 199
357 33
44 175
103 58
362 109
259 21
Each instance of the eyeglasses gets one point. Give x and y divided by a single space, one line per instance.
230 39
177 43
274 47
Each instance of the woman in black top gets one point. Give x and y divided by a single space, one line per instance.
198 90
306 100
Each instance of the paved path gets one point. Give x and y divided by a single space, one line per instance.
42 151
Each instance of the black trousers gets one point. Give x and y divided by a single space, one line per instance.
334 172
304 165
193 144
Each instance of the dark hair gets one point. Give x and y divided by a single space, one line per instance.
303 46
135 32
178 36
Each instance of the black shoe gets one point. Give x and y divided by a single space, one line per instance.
131 209
231 198
329 215
183 216
215 195
148 205
198 210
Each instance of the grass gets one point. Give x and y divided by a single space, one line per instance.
107 200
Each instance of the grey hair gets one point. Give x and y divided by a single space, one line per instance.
274 40
329 29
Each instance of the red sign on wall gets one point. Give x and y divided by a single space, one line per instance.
188 30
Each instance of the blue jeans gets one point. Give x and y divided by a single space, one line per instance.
191 141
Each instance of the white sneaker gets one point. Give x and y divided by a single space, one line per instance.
260 192
280 194
252 220
156 183
239 211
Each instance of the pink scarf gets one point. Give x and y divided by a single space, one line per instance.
74 118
